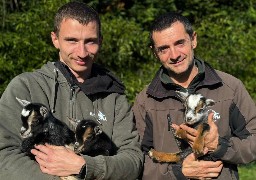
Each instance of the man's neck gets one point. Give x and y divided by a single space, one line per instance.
186 78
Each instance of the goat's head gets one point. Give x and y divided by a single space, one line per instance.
86 130
195 107
32 116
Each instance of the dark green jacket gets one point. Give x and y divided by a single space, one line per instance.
48 86
236 126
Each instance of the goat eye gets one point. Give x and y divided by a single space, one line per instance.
200 110
35 123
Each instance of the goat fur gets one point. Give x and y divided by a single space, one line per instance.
91 140
196 116
39 126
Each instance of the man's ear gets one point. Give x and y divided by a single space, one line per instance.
153 51
55 40
194 40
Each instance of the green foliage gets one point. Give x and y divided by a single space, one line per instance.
124 53
226 37
26 42
121 47
229 40
247 172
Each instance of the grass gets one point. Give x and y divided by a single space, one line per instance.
247 172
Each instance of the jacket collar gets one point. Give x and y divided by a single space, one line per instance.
101 80
161 88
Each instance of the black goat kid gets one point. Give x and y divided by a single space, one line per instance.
39 126
91 140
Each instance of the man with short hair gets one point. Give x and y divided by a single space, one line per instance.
73 88
231 140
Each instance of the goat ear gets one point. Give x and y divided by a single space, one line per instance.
23 102
210 102
44 111
182 95
97 130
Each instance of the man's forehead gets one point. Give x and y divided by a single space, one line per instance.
172 34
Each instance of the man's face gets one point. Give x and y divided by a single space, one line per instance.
78 46
174 48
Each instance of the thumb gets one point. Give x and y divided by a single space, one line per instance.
210 118
206 150
191 157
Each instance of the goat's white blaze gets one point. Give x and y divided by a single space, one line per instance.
192 103
193 100
25 112
28 132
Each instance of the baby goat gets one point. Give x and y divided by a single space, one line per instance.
91 140
39 126
196 116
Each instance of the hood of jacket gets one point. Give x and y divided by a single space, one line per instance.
100 81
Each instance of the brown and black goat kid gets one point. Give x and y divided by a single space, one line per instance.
91 140
196 116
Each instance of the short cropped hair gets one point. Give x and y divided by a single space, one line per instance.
165 21
79 11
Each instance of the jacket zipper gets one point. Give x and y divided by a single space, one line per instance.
72 102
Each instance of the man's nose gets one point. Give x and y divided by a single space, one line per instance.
174 54
82 51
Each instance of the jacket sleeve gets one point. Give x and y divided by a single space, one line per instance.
13 163
128 161
146 138
143 124
240 147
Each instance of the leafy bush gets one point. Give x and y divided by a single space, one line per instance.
226 34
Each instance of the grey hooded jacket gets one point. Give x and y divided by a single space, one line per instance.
236 121
49 86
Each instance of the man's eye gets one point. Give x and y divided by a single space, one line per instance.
181 43
162 50
90 42
71 40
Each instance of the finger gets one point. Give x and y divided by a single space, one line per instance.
191 157
34 151
210 118
47 171
54 147
211 175
38 153
213 170
41 161
43 148
206 150
212 164
40 156
43 169
175 126
191 137
189 130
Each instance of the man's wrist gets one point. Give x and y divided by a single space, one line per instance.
222 147
83 172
